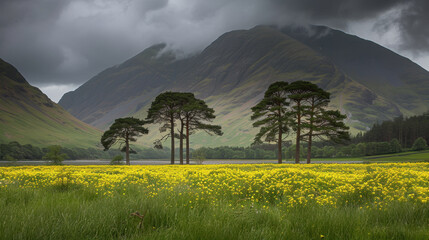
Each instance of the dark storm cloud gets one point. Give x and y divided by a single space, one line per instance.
414 26
67 42
411 18
19 11
338 10
24 34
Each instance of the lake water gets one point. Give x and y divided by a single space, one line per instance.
162 162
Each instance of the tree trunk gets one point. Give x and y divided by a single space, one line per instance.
309 147
172 139
298 132
279 143
181 142
127 150
310 133
187 141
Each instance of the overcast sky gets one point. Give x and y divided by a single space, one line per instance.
59 44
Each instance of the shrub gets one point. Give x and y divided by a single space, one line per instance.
54 155
117 160
10 158
419 144
199 155
395 146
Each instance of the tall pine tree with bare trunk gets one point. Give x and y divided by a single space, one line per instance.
318 100
194 115
272 116
164 110
321 123
299 92
184 99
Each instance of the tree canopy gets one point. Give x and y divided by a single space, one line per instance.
163 110
271 114
192 113
299 93
300 106
196 115
420 144
322 123
317 100
405 129
54 155
124 131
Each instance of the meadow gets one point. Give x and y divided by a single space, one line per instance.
257 201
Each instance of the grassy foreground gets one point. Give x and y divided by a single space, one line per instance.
333 201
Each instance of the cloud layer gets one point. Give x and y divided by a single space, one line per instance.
66 42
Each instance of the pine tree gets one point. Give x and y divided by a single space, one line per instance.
300 91
317 101
124 131
185 100
194 115
164 110
272 116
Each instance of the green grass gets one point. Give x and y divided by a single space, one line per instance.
411 156
414 156
77 213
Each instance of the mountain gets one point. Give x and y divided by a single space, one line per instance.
233 72
29 117
388 74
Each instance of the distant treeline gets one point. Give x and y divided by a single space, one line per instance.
264 152
393 136
387 137
406 130
269 151
358 150
27 151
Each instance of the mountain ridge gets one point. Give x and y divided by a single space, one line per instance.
373 65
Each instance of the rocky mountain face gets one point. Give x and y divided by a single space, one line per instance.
29 117
233 72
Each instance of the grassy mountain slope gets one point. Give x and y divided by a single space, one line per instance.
30 117
231 75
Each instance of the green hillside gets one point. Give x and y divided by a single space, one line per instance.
30 117
231 74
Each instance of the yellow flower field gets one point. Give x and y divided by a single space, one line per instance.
287 185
